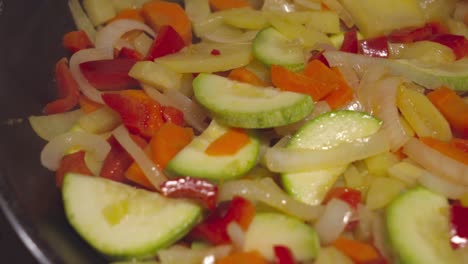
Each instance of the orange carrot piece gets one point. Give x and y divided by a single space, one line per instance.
136 175
251 257
342 95
452 107
446 148
287 80
228 143
168 141
358 251
87 105
324 7
159 13
228 4
245 75
460 143
129 13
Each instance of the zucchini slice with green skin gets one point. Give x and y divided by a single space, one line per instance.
326 130
271 47
237 104
418 228
270 229
124 222
193 161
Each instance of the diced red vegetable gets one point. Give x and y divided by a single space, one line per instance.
118 160
283 255
351 196
139 113
109 74
215 52
168 41
459 222
74 41
127 53
350 42
68 90
213 229
192 188
173 115
412 34
74 162
374 47
459 44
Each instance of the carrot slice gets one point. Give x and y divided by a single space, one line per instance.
228 4
159 13
287 80
251 257
452 107
358 251
136 175
446 148
87 105
461 144
342 95
129 13
168 141
229 143
246 76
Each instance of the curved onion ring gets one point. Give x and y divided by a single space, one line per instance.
83 56
333 221
107 37
58 147
151 171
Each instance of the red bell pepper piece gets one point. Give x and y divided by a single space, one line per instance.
109 74
214 228
459 44
168 41
139 113
71 163
68 89
351 196
118 160
412 34
74 41
283 255
187 187
173 115
459 222
127 53
374 47
350 42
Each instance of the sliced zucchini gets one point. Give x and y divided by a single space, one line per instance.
418 228
193 161
326 130
123 222
239 104
270 229
271 47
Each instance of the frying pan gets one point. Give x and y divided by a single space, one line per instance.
30 44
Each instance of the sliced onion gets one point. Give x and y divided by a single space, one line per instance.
107 37
333 221
341 11
385 101
58 147
441 185
278 5
226 34
436 162
266 191
83 56
181 254
50 126
151 171
365 217
360 63
366 89
299 159
313 5
100 121
236 234
81 20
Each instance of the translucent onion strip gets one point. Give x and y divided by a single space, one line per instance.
265 190
333 221
50 126
83 56
58 147
151 171
384 104
107 37
436 162
297 160
81 19
341 11
181 254
236 234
